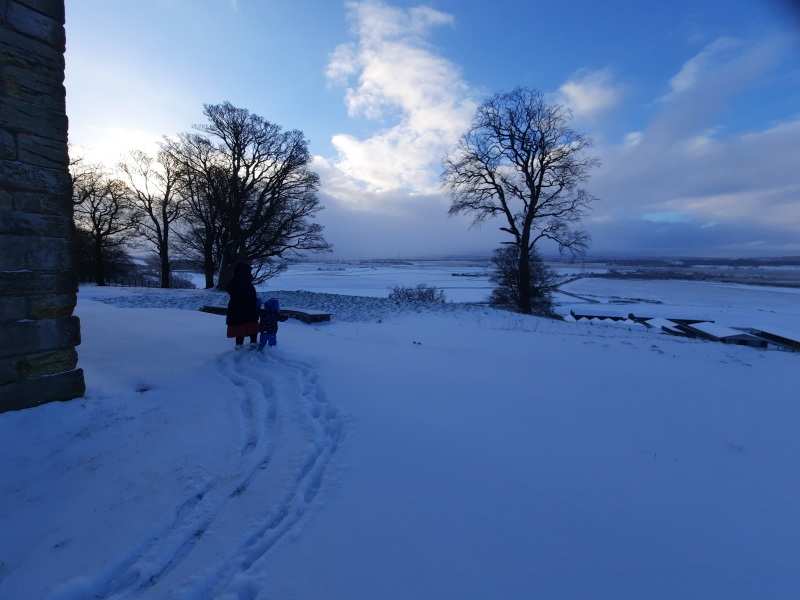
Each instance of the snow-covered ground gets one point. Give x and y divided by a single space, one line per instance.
411 452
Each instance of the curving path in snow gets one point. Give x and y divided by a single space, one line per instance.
228 521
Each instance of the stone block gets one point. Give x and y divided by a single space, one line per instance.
24 283
16 369
43 203
8 145
48 253
48 388
18 176
12 252
47 363
31 23
52 8
23 117
6 200
20 224
17 50
8 369
55 306
40 151
27 85
30 337
14 308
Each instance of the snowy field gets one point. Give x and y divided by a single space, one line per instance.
462 281
411 452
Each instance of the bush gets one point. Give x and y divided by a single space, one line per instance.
505 275
181 281
420 293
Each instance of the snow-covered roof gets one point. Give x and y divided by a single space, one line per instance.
662 323
600 313
783 333
720 331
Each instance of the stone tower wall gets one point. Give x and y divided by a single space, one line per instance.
38 278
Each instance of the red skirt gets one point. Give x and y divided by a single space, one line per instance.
243 330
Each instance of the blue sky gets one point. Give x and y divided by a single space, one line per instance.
694 106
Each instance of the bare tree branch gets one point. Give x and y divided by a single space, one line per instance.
156 201
103 209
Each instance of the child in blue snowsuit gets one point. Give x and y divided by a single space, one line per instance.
269 316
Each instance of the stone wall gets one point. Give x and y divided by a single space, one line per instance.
38 278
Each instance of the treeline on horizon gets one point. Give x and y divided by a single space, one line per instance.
688 262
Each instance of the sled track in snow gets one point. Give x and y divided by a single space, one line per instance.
326 429
290 434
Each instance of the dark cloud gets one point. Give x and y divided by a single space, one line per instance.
405 227
648 238
705 190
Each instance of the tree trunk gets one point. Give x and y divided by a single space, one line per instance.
165 272
230 256
99 267
209 267
225 274
209 273
524 281
164 256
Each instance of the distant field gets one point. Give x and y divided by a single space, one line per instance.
781 277
722 294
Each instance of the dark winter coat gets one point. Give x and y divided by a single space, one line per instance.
243 304
270 315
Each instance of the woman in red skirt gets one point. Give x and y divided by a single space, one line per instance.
242 317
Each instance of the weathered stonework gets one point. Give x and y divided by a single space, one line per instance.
38 276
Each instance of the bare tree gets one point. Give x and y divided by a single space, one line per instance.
203 188
156 200
253 180
103 209
521 161
116 263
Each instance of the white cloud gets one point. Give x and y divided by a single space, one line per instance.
375 22
417 97
705 87
633 138
772 207
108 145
695 68
589 93
669 216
